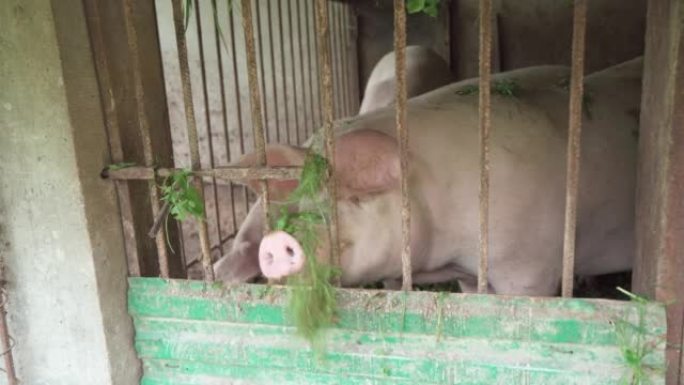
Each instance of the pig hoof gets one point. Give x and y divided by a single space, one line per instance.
280 255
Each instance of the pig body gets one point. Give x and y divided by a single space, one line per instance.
425 71
528 143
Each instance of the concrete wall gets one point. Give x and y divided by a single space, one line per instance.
530 32
534 32
60 233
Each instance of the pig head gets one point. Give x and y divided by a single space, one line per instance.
425 71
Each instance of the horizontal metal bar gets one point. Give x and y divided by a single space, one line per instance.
225 173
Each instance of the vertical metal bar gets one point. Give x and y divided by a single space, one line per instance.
319 70
343 59
143 125
192 133
207 117
255 101
237 94
261 59
114 141
335 59
354 70
485 123
273 70
309 23
305 120
282 70
298 139
224 114
574 135
344 53
402 134
326 90
5 339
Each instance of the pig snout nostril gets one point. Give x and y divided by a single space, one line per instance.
269 258
289 251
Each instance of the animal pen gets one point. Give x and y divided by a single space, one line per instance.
301 74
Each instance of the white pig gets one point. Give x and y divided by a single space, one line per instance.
527 190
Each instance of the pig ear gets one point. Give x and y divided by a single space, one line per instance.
276 155
366 162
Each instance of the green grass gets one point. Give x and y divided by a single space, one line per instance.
312 303
635 344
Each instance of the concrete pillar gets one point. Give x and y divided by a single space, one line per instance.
59 229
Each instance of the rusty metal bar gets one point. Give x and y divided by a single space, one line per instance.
143 125
319 97
238 105
224 112
226 173
298 139
305 120
485 124
334 59
273 70
402 134
255 101
344 53
326 90
192 132
309 49
210 136
281 34
260 58
574 134
5 340
114 140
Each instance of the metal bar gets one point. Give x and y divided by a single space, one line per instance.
5 340
344 53
224 111
319 70
574 134
210 136
298 139
354 70
326 90
255 101
281 34
309 21
485 124
237 94
192 133
273 70
225 173
333 58
143 125
305 120
114 139
402 134
262 76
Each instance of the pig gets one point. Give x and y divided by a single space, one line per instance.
527 187
425 71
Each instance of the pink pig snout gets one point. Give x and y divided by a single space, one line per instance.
280 255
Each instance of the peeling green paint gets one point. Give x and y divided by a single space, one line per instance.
189 332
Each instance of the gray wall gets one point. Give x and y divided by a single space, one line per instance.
60 233
530 32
